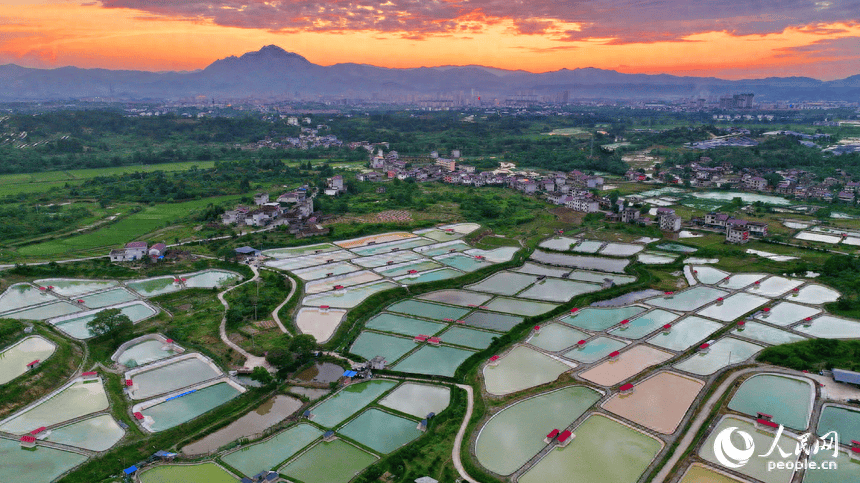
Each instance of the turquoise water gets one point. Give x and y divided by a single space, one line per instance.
177 411
734 307
381 431
767 334
267 455
315 273
210 279
846 423
723 353
418 400
77 326
829 327
535 269
587 246
601 319
154 286
755 467
428 310
599 277
515 434
440 361
402 245
44 312
399 324
23 295
588 263
380 260
475 339
441 274
95 434
76 400
349 401
40 466
685 334
595 349
557 290
787 313
14 360
644 325
788 400
847 469
675 247
371 344
111 297
688 300
463 262
71 288
487 320
351 298
520 369
555 337
144 353
333 462
172 376
435 251
420 265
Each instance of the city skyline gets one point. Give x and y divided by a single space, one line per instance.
722 39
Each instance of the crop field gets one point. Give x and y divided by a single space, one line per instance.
11 184
133 227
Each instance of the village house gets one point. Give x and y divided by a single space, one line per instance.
668 220
261 198
131 252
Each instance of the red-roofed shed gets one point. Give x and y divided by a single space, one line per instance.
138 415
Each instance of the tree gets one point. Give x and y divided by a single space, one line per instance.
262 376
111 323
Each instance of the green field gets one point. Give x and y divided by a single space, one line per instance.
130 228
11 184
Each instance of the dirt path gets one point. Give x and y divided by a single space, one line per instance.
251 361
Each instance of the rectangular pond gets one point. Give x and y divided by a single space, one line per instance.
847 468
110 297
194 473
323 271
516 433
171 376
23 295
588 246
419 400
504 283
399 324
71 288
492 321
628 364
154 286
787 313
471 338
774 286
441 235
349 297
600 277
614 249
741 280
372 344
320 323
645 324
346 280
99 433
599 440
210 279
463 262
381 431
659 403
462 298
386 259
588 263
558 290
686 333
788 399
535 269
555 337
755 467
559 243
431 276
818 237
829 327
145 352
43 465
429 360
437 249
688 300
271 453
597 320
174 412
405 268
392 247
299 251
14 359
845 421
522 368
72 401
312 260
43 312
348 401
428 310
329 462
766 334
734 307
76 326
595 349
724 352
519 306
675 247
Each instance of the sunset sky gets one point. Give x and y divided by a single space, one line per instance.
721 38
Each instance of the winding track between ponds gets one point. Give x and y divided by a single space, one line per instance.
251 361
279 307
458 441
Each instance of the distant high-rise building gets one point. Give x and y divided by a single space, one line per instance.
737 101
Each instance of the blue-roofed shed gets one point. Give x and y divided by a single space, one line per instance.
130 470
848 377
349 373
248 251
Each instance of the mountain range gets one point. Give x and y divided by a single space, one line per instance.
272 72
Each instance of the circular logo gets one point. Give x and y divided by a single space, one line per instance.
727 454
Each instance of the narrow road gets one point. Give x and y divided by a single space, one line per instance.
251 361
458 441
278 308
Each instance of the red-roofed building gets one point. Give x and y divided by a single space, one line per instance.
434 341
34 364
420 338
614 354
138 415
626 389
28 441
564 438
551 436
90 375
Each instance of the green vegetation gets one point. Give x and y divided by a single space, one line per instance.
814 355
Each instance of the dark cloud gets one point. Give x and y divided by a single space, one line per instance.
623 21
